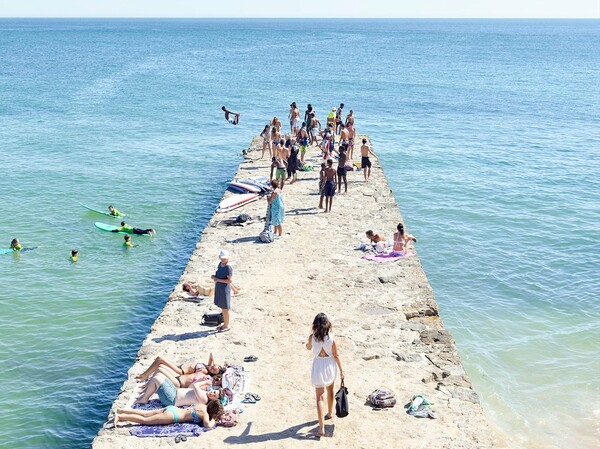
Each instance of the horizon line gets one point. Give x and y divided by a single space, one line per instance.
298 18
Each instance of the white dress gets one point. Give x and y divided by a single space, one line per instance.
324 369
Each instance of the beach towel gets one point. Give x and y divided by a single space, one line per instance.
389 257
169 430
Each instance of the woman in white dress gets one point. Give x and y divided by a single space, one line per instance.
326 362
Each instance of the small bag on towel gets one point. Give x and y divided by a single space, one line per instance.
212 319
341 402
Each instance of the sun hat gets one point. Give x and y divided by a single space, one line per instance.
224 254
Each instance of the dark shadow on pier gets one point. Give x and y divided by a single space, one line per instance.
244 240
294 432
186 336
307 211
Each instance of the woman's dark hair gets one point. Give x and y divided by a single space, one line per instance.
214 409
309 107
364 141
321 327
122 223
369 232
400 228
274 183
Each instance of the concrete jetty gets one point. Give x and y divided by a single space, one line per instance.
385 321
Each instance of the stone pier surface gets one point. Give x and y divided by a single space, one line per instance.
385 321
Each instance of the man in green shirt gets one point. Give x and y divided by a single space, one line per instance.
131 230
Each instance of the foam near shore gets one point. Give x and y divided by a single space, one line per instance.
385 321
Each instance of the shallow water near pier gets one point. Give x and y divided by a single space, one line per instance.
487 132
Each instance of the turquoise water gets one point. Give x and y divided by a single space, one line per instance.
487 130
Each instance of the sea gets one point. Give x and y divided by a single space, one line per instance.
488 131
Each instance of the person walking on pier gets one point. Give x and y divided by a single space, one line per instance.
365 163
326 362
222 279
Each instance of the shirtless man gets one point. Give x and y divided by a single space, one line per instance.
313 129
341 171
344 137
228 114
329 187
365 163
294 118
352 130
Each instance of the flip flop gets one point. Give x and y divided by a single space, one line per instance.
250 358
249 399
255 396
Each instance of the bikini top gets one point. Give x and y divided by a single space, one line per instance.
326 344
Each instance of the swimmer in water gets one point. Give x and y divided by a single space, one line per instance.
74 255
15 245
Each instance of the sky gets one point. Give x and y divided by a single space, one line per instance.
589 9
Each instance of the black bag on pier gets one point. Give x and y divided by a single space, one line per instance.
212 319
341 402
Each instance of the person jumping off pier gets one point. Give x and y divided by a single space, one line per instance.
229 114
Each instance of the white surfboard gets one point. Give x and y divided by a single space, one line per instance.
235 201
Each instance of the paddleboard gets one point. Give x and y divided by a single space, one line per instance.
244 187
236 189
10 250
102 212
109 228
235 201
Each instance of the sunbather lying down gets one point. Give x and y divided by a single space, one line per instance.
210 368
200 414
196 289
169 394
204 381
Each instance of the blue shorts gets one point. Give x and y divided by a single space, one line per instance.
167 393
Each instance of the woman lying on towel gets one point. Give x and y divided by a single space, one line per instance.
204 415
169 394
204 381
210 368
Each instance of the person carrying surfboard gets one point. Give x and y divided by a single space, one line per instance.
114 212
131 230
228 114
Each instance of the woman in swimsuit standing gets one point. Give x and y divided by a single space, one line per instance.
276 141
199 414
266 135
326 362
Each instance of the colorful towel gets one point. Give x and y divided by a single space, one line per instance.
169 430
391 257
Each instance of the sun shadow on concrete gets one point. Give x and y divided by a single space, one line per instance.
294 432
185 336
307 211
251 239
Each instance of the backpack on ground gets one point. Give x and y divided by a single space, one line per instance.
267 235
382 398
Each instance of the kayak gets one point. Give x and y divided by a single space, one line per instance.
109 228
102 212
244 187
235 201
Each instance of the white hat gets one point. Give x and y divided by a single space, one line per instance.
224 254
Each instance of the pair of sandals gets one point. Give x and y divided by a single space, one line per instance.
250 358
251 398
180 438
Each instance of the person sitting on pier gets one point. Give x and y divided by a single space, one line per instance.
204 415
169 394
186 368
401 241
236 116
378 241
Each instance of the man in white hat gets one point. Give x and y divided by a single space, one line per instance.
223 281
